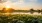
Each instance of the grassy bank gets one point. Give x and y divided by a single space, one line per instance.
25 18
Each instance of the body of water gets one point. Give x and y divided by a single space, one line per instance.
22 13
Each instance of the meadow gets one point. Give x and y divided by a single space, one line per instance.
20 18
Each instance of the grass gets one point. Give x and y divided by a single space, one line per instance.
26 18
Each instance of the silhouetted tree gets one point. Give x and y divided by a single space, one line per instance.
4 10
38 11
31 11
10 10
41 11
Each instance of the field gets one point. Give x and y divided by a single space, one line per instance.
21 18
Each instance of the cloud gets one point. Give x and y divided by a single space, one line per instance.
0 1
32 0
20 0
20 4
13 1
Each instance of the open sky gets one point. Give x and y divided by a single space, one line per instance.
21 4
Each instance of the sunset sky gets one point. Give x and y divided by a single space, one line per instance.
21 4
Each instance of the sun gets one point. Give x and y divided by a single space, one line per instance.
7 7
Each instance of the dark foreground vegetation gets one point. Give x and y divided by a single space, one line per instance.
21 18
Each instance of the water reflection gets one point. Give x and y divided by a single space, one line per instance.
22 13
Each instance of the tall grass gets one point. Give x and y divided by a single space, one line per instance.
26 18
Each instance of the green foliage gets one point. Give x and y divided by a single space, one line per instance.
23 17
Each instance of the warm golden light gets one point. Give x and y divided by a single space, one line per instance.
7 6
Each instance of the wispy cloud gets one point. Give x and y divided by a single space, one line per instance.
32 0
21 4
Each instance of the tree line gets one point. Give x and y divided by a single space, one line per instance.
10 10
32 11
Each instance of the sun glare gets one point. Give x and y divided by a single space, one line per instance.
7 7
